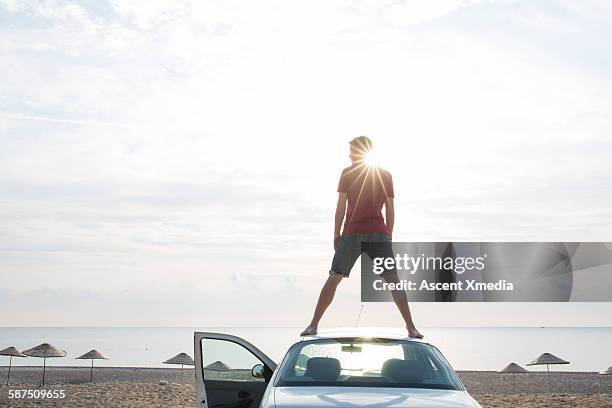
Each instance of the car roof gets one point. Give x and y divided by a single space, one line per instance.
369 332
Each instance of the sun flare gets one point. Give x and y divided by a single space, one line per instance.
371 159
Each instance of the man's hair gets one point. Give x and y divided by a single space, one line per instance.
362 143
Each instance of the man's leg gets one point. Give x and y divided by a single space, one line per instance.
325 299
401 301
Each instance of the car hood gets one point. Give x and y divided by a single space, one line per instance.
302 397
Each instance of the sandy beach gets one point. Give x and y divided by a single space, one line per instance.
140 387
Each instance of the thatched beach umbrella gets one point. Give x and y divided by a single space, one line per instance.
183 359
218 366
547 359
607 371
45 351
92 355
513 368
11 352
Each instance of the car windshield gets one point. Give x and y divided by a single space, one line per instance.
367 362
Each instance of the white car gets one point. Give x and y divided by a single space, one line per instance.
342 369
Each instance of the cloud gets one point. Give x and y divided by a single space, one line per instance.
147 304
201 142
414 11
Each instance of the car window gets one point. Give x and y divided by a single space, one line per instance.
367 362
225 360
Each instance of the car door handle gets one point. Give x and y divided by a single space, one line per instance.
243 394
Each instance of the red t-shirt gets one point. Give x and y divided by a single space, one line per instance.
367 188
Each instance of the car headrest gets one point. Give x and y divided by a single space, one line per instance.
405 371
323 368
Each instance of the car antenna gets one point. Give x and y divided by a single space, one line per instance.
359 315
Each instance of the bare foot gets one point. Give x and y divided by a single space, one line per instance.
309 331
414 333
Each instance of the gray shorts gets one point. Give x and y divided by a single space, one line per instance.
349 249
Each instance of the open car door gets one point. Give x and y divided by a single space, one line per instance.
230 372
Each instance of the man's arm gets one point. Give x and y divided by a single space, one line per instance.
340 212
389 214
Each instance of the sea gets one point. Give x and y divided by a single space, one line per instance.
466 348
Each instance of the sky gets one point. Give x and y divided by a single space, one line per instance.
176 163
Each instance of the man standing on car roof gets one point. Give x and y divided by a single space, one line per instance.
364 189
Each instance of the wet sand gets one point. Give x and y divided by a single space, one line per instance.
140 387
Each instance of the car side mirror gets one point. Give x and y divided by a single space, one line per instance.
258 371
